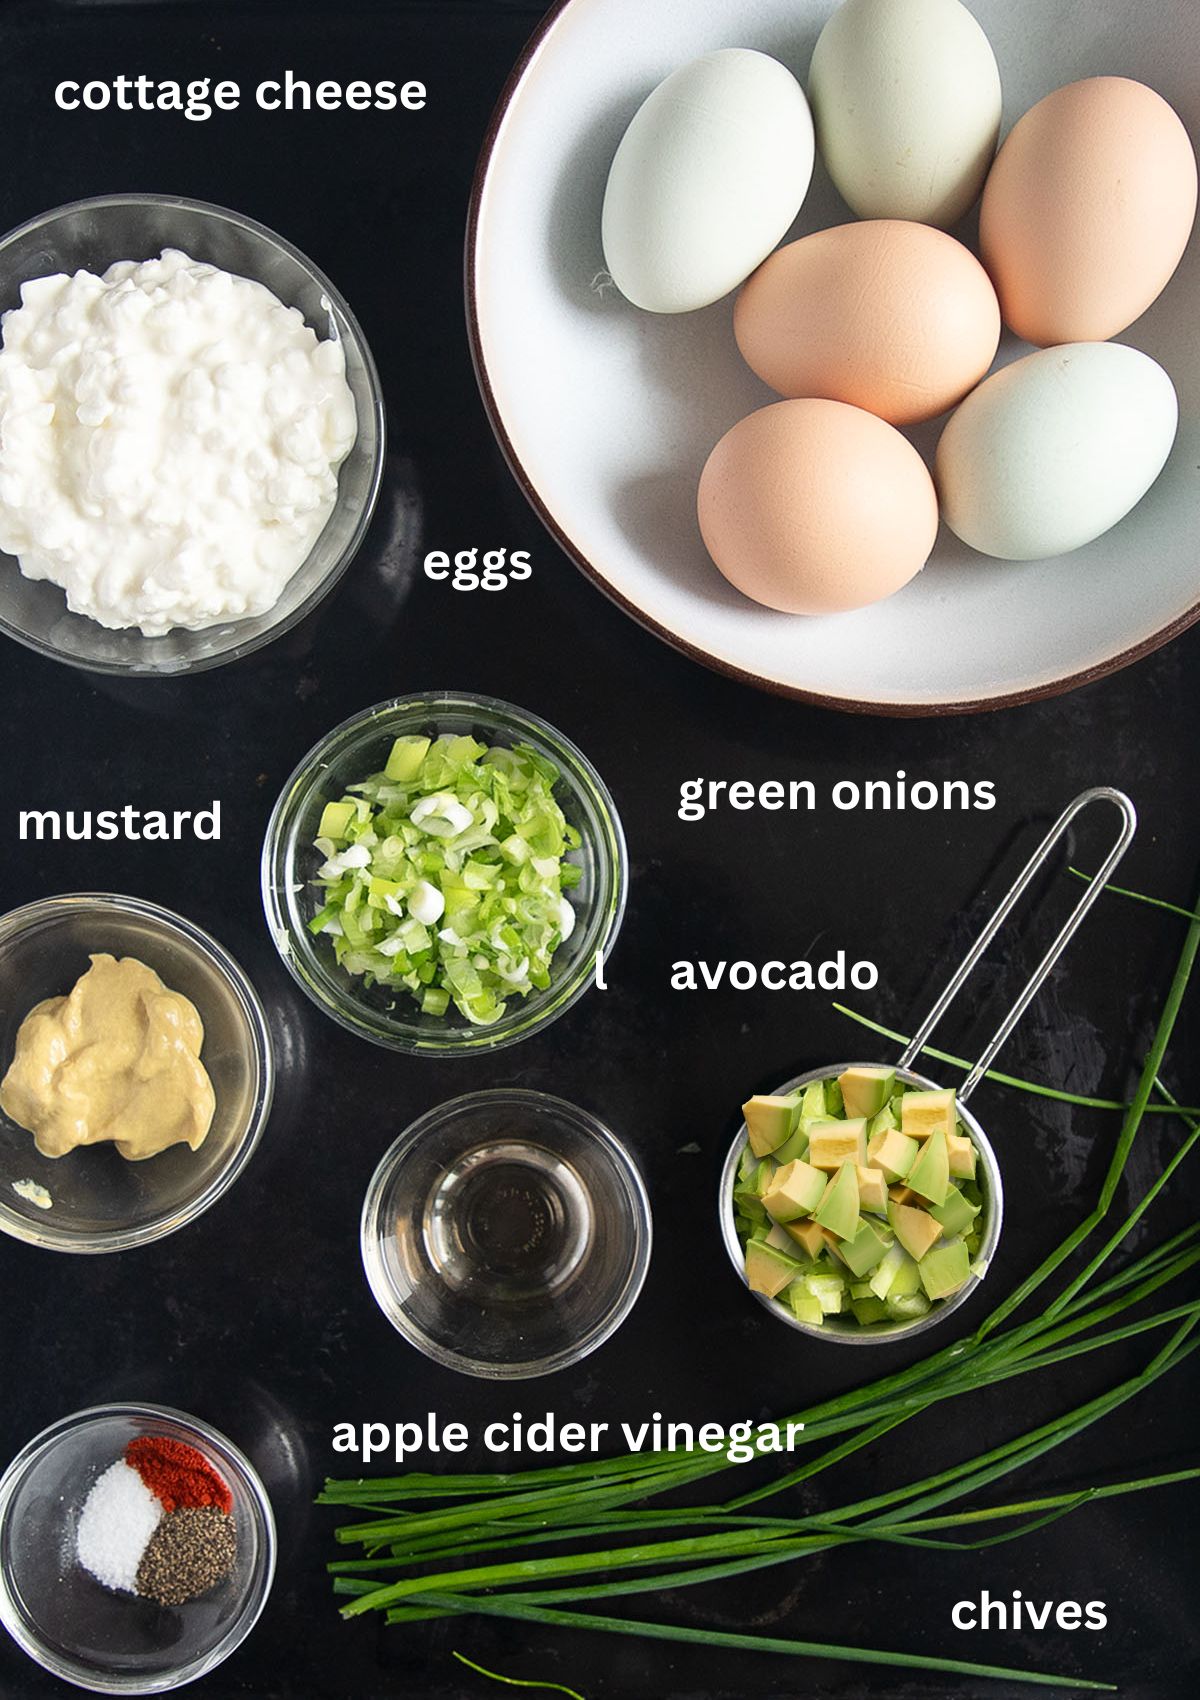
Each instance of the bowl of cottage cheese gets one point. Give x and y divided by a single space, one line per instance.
191 435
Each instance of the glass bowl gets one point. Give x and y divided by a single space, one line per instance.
359 747
875 1333
100 1201
92 234
108 1642
506 1234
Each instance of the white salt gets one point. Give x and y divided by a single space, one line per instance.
118 1518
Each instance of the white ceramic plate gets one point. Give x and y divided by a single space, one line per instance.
607 414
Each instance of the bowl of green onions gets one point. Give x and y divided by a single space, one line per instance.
442 873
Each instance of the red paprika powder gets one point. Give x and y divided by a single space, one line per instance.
177 1474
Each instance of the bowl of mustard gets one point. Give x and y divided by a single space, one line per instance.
136 1072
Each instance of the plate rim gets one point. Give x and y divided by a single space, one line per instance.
1061 686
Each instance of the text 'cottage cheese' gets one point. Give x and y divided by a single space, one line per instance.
169 441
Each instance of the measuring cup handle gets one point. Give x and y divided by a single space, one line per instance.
1099 794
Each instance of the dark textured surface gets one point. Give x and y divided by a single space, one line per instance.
257 1317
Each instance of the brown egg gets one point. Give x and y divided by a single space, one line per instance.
813 507
1087 210
895 317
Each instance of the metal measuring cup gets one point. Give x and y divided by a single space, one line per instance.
991 1186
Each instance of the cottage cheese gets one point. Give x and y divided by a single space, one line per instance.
169 441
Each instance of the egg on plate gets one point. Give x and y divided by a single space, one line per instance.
816 507
892 316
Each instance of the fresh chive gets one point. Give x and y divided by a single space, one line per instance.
1138 896
757 1643
1129 1129
516 1681
1013 1080
1112 1490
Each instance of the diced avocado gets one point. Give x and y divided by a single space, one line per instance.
896 1154
830 1144
925 1113
868 1310
755 1175
885 1271
907 1278
778 1236
748 1165
812 1102
747 1195
930 1174
769 1121
796 1189
907 1307
838 1210
866 1250
882 1122
750 1206
945 1269
866 1090
872 1190
828 1290
833 1248
795 1145
404 763
963 1156
902 1195
834 1103
769 1270
335 820
915 1229
956 1214
804 1306
808 1235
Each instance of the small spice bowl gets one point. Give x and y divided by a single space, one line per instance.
358 748
880 1333
506 1234
93 1200
93 1636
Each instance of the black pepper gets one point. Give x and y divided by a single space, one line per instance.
191 1550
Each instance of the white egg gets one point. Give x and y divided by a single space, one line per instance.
1052 451
906 99
707 179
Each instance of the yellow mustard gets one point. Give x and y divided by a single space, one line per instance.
117 1059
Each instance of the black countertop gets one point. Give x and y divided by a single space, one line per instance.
257 1317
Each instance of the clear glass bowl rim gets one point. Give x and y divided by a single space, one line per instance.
624 1165
251 1610
378 413
251 1004
525 1016
877 1334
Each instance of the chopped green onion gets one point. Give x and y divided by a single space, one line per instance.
443 875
